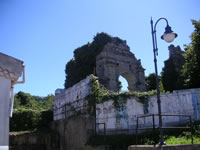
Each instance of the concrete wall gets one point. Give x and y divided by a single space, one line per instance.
179 102
4 110
74 132
34 141
73 97
124 117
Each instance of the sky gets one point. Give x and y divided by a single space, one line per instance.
44 33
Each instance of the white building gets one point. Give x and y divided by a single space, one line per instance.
10 70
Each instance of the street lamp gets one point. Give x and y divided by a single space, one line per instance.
168 36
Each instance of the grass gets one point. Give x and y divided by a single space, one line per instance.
181 140
171 137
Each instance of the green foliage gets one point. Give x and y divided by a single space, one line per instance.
25 100
31 112
99 95
121 142
191 68
84 61
24 119
151 82
171 74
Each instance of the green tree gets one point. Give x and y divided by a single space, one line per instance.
171 73
191 68
31 112
84 61
151 82
24 100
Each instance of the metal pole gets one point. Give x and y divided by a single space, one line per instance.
155 52
191 129
137 131
153 129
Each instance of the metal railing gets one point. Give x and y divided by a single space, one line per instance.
153 128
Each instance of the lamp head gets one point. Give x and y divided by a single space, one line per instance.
168 35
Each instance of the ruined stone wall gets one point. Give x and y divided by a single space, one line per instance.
67 100
75 132
124 117
34 141
116 60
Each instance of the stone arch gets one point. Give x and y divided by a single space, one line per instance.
123 84
130 80
116 60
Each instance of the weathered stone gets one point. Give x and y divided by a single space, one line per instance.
115 60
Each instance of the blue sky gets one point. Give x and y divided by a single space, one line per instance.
44 33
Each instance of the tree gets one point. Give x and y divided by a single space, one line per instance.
84 61
171 73
31 112
151 82
25 100
191 68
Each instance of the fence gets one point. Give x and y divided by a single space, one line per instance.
153 128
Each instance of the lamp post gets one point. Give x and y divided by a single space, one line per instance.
168 36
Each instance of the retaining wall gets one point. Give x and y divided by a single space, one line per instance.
185 102
34 141
124 117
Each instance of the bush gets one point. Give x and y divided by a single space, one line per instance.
28 119
24 119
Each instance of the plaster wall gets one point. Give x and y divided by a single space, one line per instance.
72 97
10 71
4 110
124 117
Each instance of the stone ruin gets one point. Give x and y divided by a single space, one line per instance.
116 59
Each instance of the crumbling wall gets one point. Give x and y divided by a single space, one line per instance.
115 60
124 117
74 132
34 141
66 101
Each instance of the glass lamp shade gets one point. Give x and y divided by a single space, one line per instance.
169 37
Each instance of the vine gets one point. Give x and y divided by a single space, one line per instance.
99 95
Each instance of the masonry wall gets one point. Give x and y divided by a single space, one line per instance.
34 141
74 133
66 100
124 117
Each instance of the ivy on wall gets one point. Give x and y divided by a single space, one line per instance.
99 95
84 61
